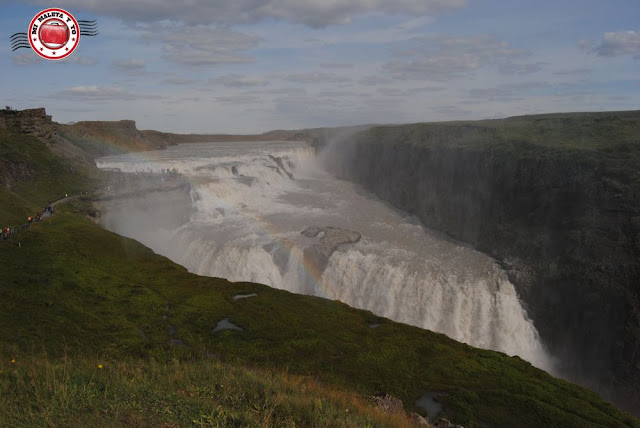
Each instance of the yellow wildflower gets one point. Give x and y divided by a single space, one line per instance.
99 366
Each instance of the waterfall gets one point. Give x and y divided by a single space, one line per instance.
248 204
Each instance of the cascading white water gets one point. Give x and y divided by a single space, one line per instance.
249 203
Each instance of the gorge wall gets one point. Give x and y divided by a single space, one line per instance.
555 198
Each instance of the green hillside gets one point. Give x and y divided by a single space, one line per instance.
31 176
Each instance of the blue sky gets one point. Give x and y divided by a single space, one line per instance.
247 66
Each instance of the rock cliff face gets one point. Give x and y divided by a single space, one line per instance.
33 121
555 198
100 138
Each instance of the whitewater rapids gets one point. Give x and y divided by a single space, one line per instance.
243 219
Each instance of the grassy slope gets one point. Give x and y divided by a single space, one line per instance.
33 177
72 288
86 392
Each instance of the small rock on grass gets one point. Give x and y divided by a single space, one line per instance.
419 420
388 403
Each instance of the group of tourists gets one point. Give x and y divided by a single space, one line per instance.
6 232
35 219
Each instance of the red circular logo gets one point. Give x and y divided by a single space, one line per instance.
54 33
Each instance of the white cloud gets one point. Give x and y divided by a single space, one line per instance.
30 58
414 23
238 99
93 91
493 94
336 65
315 13
100 93
619 43
525 68
82 60
573 72
446 57
374 80
510 91
288 91
397 92
337 94
392 92
237 81
452 112
204 45
131 65
179 81
27 58
316 77
586 44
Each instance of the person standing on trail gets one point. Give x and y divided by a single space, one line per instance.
29 220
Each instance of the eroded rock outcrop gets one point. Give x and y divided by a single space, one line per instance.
391 404
317 255
282 167
32 121
388 403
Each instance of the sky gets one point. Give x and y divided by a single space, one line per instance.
248 66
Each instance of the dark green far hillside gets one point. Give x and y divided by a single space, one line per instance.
97 330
